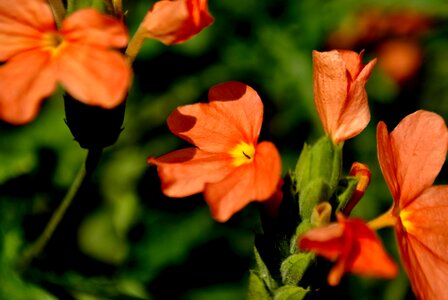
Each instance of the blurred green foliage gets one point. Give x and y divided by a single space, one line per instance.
122 239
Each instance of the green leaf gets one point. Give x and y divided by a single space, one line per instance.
293 268
263 272
289 292
257 289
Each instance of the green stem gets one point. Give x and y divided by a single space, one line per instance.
135 44
58 11
36 248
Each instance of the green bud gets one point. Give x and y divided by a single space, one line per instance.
293 268
321 214
322 160
314 192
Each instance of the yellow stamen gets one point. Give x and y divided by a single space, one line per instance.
243 153
53 42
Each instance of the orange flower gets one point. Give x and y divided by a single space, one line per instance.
410 159
173 22
339 93
354 247
227 164
38 56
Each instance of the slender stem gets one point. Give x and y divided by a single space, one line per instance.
36 248
58 11
118 8
385 220
135 44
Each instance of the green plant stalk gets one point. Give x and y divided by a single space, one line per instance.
58 11
36 248
135 44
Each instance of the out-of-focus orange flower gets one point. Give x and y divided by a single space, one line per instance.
227 164
173 22
38 56
339 92
354 247
400 59
410 159
394 35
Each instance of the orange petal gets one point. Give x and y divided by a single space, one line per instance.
418 158
368 255
234 115
26 79
386 159
256 181
330 87
339 93
423 241
173 22
355 114
89 27
324 241
93 75
355 247
22 23
185 172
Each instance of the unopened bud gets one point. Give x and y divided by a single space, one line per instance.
321 214
362 172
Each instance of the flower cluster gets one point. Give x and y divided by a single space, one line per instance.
88 53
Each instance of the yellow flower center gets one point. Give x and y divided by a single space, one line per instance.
53 42
405 220
242 154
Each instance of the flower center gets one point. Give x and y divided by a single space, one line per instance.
52 42
405 220
242 154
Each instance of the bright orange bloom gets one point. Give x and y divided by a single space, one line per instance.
173 22
354 247
410 159
339 92
38 56
227 164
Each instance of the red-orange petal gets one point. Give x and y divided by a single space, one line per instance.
22 23
93 75
233 115
185 172
423 242
173 22
418 159
255 181
26 79
353 245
